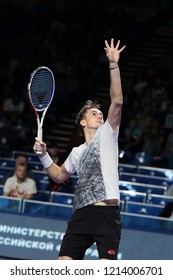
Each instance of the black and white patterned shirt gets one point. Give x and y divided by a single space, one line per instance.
96 165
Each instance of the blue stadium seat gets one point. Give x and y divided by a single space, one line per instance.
147 179
30 156
159 199
41 175
7 162
146 170
74 179
143 208
42 185
42 196
35 165
133 196
158 172
127 168
63 198
145 188
48 209
3 172
10 204
10 162
42 180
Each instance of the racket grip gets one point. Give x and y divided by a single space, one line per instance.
40 133
40 137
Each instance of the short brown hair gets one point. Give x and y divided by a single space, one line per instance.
88 105
21 159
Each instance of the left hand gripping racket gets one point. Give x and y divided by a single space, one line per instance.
41 89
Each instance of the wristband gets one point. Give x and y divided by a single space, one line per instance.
113 65
46 160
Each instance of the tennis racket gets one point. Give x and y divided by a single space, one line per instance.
41 89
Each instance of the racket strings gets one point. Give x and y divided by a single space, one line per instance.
41 89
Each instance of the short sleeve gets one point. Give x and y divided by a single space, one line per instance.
70 163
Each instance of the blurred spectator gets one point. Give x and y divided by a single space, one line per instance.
20 185
140 82
14 107
146 97
158 160
157 89
53 151
134 108
145 117
57 158
129 92
19 160
133 138
154 140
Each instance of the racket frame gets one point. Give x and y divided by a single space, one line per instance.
44 110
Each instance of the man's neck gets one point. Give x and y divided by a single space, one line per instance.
20 180
89 135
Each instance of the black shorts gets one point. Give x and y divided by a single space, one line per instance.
100 224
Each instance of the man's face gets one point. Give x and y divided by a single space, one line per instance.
21 172
93 118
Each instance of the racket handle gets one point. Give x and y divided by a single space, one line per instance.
40 136
40 133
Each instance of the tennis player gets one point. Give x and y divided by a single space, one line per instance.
96 216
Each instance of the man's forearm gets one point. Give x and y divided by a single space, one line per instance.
115 83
